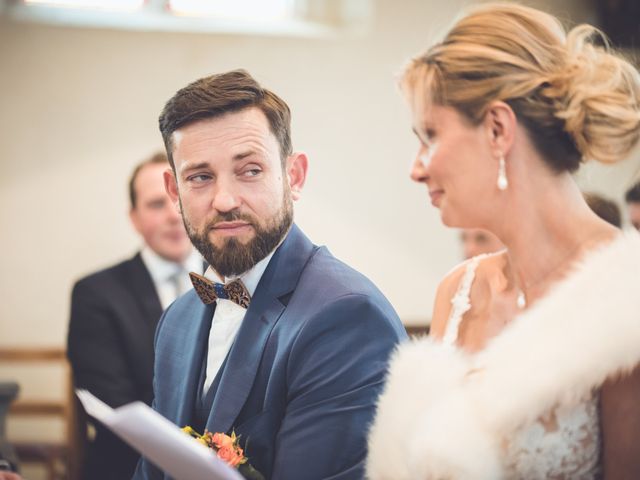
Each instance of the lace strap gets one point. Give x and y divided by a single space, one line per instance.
460 301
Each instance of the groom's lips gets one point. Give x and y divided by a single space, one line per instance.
231 228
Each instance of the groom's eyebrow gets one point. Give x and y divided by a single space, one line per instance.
187 167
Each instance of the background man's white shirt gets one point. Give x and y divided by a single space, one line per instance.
171 279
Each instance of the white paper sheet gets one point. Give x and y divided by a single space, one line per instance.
159 440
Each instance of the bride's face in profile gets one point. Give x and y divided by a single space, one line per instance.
455 163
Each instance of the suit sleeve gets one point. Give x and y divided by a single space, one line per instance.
335 373
95 347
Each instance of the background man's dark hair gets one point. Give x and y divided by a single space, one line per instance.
159 157
216 95
633 194
606 209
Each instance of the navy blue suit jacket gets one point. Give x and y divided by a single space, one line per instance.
301 380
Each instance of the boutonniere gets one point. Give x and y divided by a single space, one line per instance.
228 450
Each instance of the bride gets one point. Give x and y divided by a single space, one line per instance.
531 368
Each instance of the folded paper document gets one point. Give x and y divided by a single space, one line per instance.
156 438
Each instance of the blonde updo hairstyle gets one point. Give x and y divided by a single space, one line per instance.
576 98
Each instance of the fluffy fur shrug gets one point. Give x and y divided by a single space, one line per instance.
442 413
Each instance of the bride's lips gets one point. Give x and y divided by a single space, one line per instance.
435 197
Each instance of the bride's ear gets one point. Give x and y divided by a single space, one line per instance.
500 124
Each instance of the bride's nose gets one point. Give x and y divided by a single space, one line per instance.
419 169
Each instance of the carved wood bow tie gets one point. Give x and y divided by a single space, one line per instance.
210 291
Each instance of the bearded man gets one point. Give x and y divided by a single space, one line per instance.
279 342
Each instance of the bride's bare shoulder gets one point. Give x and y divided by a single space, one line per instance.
493 267
488 268
442 304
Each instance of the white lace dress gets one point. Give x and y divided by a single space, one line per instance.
563 444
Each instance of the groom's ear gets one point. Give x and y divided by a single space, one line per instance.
296 171
500 124
171 186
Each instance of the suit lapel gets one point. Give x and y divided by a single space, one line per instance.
144 290
279 279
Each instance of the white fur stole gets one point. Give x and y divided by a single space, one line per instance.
443 412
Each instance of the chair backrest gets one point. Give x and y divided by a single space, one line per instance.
417 330
8 391
71 449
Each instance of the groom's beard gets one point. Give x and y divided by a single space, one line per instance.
233 257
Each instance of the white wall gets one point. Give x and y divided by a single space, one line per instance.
79 108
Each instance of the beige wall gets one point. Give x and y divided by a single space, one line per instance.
79 108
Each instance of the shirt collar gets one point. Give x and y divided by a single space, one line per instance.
162 269
194 262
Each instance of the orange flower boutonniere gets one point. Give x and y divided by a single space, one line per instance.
227 449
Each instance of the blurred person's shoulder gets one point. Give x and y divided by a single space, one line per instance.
120 272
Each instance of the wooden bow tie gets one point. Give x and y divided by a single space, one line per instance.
210 291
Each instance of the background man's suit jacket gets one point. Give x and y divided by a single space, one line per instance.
114 314
301 380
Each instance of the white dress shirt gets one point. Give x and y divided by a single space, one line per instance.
227 319
170 278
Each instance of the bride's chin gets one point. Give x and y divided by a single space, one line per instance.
450 220
446 218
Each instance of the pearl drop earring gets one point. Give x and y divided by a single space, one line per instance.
503 183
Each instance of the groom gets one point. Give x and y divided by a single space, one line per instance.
280 341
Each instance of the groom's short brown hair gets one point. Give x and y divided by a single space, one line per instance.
216 95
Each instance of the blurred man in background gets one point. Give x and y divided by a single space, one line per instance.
7 470
114 313
606 209
632 198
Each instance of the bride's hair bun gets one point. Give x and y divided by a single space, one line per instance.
599 97
577 99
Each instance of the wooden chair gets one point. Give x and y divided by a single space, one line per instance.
8 392
417 330
62 460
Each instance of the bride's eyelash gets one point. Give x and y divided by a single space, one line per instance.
428 136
